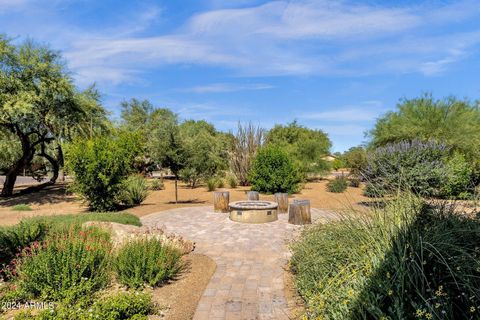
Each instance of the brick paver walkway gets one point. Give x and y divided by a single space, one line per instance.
248 281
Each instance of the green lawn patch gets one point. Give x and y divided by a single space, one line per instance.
21 207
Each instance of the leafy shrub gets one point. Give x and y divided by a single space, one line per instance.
101 165
124 306
135 190
459 182
156 184
146 261
211 184
407 166
232 181
21 207
120 306
354 182
407 261
337 185
14 238
66 266
273 171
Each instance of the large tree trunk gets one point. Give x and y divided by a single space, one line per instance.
13 172
61 163
9 183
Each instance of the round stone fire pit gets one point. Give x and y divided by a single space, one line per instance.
253 211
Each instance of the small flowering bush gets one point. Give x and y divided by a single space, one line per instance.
146 261
407 261
14 238
66 266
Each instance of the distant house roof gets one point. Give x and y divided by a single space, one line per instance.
329 158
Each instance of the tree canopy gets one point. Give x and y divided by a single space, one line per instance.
40 107
451 121
306 146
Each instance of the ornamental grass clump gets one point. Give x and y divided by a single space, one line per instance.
135 191
68 265
146 261
408 260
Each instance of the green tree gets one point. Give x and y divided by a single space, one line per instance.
355 159
274 171
307 147
451 121
206 149
39 108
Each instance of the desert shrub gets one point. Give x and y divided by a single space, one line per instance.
66 266
156 184
407 166
146 261
134 191
211 184
337 185
273 171
21 207
354 182
407 261
459 182
14 238
101 165
220 183
232 181
120 306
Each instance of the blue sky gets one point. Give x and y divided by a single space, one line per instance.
332 65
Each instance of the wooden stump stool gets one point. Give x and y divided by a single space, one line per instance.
220 201
253 195
282 200
299 212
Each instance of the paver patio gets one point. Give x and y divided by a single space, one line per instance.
248 281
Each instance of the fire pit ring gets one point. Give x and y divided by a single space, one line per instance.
253 211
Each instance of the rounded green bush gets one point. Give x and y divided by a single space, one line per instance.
273 171
338 185
145 261
101 166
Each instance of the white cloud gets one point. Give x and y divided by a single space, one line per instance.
365 111
276 38
227 87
